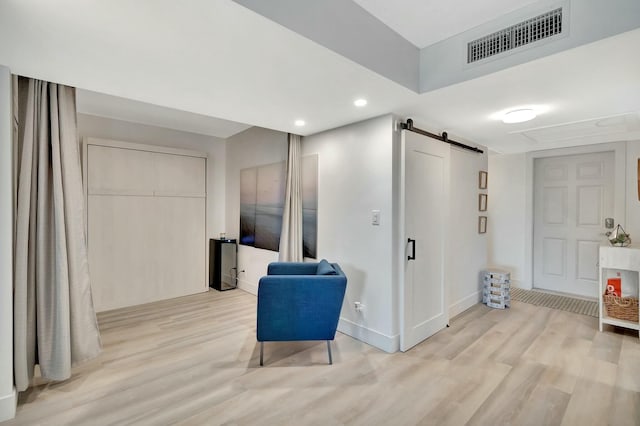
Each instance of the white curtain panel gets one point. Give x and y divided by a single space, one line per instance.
55 324
291 235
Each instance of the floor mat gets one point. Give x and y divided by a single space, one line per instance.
555 301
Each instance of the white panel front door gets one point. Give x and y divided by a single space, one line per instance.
424 296
572 196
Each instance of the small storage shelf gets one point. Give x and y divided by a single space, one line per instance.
624 259
223 264
619 323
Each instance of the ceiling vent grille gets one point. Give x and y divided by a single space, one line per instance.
526 32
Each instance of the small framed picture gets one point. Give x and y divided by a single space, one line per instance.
482 225
482 202
482 180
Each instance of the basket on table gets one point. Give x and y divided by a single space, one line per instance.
624 308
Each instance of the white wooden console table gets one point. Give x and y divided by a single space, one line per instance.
618 258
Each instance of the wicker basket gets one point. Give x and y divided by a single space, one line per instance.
624 308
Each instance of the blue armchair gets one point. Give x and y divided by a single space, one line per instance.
300 301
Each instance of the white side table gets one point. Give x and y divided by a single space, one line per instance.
621 258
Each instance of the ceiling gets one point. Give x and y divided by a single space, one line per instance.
576 87
421 22
211 66
102 105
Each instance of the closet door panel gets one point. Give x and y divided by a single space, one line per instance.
179 175
123 233
120 171
180 250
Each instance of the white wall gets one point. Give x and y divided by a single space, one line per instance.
468 248
633 205
253 147
106 128
354 177
7 391
511 203
357 173
355 167
506 214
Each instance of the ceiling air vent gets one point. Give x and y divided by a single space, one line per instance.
526 32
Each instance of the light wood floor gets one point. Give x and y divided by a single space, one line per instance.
194 360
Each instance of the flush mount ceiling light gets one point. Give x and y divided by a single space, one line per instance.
519 116
299 123
360 102
520 113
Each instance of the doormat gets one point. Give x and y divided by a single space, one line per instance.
555 301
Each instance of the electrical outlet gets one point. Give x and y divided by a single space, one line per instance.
358 306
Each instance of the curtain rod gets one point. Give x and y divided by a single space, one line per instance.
444 138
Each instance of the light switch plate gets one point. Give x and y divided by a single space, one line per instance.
375 217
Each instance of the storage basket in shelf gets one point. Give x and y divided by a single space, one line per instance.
624 308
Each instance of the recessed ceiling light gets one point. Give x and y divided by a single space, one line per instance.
519 116
360 102
299 123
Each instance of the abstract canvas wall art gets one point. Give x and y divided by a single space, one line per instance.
262 201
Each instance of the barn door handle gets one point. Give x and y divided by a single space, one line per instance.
412 256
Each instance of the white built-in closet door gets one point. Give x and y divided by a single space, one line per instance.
146 225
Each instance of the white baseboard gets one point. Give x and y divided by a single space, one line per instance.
249 287
371 337
8 406
464 303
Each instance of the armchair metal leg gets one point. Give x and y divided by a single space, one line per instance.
329 350
261 352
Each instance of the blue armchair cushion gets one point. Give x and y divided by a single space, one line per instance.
325 268
294 303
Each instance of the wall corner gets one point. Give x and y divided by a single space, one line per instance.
7 391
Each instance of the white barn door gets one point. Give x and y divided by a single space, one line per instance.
424 301
573 195
145 223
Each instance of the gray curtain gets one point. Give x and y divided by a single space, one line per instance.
54 321
291 235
